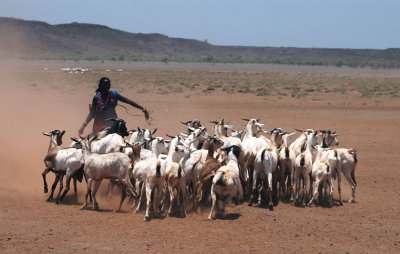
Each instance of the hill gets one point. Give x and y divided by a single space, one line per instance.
40 40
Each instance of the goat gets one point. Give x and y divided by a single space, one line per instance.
221 133
286 167
191 166
174 176
208 170
265 168
54 146
195 124
142 135
148 171
250 145
348 159
97 167
118 126
303 165
62 161
326 162
226 183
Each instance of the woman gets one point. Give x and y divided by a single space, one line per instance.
103 107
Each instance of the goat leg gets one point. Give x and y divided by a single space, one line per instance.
53 187
44 173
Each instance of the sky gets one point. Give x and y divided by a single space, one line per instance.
360 24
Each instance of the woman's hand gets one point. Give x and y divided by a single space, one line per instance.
146 114
80 131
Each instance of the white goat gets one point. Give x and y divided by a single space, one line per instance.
325 163
348 158
221 133
112 166
265 168
250 145
148 171
174 175
286 167
303 165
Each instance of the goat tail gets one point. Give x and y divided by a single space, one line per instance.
221 180
353 177
195 164
263 154
302 161
180 170
287 152
327 169
355 156
158 169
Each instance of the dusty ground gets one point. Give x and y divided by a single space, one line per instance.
34 100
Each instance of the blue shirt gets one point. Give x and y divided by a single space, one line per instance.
105 109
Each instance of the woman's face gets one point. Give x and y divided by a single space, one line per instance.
104 88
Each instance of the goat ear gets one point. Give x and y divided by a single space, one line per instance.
258 119
214 122
138 128
228 126
185 135
260 125
46 134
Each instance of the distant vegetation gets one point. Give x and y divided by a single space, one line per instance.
38 40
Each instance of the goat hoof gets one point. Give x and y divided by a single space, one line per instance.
210 218
250 204
340 203
57 201
45 189
49 200
271 207
146 218
83 207
351 200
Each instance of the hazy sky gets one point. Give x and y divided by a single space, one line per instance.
287 23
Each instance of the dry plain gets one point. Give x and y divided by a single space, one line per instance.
363 106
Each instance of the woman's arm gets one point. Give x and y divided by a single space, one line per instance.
89 116
130 102
134 104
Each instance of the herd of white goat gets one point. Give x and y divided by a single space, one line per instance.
193 169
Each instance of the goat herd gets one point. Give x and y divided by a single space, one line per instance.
196 168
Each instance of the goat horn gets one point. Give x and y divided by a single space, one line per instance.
299 130
258 119
214 122
46 134
247 120
169 136
74 139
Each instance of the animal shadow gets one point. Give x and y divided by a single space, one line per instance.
231 216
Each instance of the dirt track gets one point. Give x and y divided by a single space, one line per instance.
29 224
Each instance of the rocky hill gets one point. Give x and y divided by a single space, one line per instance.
39 40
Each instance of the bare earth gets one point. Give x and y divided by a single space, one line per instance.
35 100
